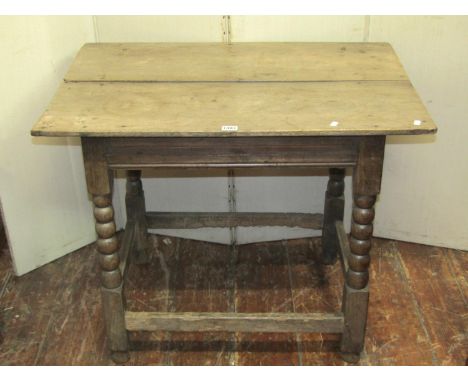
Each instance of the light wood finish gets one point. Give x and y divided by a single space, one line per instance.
236 62
263 88
201 109
236 322
232 219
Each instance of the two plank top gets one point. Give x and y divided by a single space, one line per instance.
249 89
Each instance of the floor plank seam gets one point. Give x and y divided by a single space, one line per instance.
415 335
46 331
233 356
297 335
5 283
171 306
419 313
455 278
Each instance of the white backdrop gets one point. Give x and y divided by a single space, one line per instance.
47 214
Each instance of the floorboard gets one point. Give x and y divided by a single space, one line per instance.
417 312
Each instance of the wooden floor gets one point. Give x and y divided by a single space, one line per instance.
417 314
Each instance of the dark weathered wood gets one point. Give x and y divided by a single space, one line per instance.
147 288
236 322
263 285
199 282
396 331
421 320
114 310
333 211
315 288
126 246
360 241
111 277
231 151
367 174
98 176
366 185
343 246
355 317
231 219
135 206
437 279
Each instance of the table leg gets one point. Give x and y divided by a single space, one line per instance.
136 210
334 210
111 278
356 291
366 186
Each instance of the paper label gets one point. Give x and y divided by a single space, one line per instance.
229 128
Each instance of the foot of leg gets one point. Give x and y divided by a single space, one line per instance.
120 356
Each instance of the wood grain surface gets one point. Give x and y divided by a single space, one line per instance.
236 62
257 109
262 88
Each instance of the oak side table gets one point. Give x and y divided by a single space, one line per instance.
243 105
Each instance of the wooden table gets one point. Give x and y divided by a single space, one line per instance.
244 105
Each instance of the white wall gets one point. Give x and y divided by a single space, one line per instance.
42 190
425 182
46 209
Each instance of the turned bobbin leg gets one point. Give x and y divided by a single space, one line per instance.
366 185
135 205
111 278
99 182
333 211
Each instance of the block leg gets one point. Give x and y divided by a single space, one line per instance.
333 211
136 210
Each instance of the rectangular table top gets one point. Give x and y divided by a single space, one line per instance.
246 89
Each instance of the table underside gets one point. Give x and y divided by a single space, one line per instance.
363 153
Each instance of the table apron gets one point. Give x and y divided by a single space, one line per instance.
226 151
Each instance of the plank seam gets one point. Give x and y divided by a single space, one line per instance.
417 308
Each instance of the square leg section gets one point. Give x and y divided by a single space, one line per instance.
333 211
136 214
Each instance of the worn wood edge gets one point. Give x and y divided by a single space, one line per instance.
126 245
235 322
343 246
231 165
54 122
221 81
183 220
37 132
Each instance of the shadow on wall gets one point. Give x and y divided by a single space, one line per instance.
411 139
3 239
